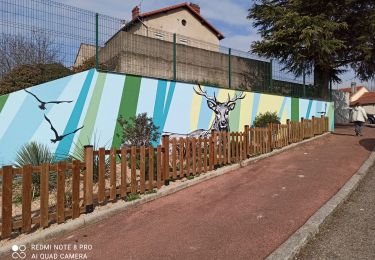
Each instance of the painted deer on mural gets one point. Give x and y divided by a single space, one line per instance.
221 109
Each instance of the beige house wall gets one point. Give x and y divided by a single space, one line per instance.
164 25
370 109
358 94
85 52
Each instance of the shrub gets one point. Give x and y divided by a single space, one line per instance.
262 120
35 154
140 130
30 75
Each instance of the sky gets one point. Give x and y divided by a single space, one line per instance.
228 16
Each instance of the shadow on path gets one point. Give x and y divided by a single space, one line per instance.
368 143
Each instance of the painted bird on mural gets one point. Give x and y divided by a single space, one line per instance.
57 136
43 104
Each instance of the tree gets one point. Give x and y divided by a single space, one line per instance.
323 36
36 48
262 120
25 76
139 130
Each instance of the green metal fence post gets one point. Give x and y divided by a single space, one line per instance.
270 83
304 83
174 58
229 68
97 41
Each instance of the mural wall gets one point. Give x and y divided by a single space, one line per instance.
83 108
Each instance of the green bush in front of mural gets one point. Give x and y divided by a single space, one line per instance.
35 154
262 120
139 130
29 75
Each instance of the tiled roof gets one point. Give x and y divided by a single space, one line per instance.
366 99
173 7
349 90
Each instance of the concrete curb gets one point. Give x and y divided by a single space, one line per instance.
293 245
118 207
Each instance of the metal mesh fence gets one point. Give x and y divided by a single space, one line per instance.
45 32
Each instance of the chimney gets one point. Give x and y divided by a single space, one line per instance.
135 12
195 7
354 87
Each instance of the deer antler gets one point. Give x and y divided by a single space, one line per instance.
235 98
204 93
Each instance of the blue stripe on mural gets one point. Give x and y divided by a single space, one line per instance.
206 112
162 104
309 109
180 110
281 111
64 146
255 107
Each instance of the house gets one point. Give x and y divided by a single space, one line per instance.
183 19
85 52
355 92
367 101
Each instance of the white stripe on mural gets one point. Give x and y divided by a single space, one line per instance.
147 96
106 119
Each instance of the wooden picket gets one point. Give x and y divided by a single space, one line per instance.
117 173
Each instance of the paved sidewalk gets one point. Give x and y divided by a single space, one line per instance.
350 233
244 214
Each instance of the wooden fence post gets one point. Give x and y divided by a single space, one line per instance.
165 159
313 125
44 196
270 129
27 172
247 141
89 178
60 213
288 130
6 217
212 150
302 129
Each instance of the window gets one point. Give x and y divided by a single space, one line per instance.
183 22
159 35
184 41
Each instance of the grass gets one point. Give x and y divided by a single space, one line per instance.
151 191
190 177
132 197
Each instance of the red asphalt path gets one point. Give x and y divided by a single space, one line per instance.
244 214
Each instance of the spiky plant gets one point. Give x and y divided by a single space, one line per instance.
79 153
35 153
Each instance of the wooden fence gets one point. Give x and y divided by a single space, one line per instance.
110 175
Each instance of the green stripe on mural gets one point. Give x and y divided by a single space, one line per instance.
92 111
3 100
128 105
234 116
295 109
331 115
